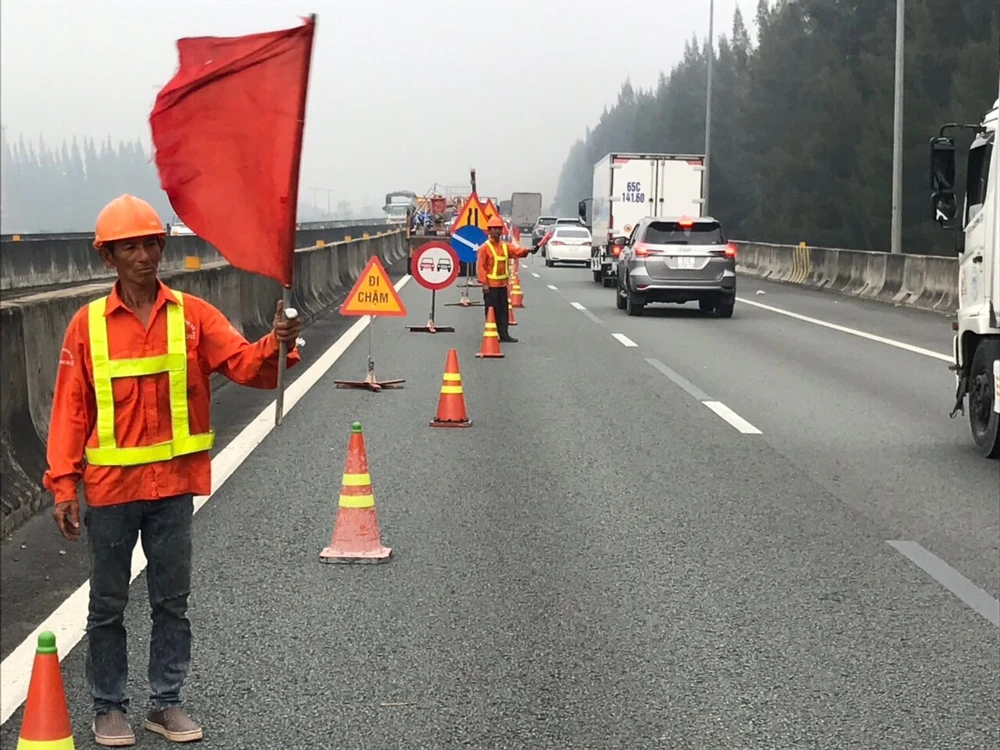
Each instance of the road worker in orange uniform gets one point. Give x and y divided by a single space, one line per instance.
132 397
493 270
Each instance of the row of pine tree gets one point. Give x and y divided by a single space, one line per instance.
802 120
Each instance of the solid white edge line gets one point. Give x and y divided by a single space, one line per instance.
69 619
578 306
732 417
624 340
553 288
851 331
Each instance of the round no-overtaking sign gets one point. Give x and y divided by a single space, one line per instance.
435 266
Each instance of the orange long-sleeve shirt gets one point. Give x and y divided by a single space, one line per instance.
486 259
142 404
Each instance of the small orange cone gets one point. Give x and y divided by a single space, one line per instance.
490 347
451 404
46 724
356 536
510 313
516 298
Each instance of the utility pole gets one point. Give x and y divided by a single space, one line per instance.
896 239
708 104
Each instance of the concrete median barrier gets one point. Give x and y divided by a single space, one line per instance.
926 282
33 327
44 261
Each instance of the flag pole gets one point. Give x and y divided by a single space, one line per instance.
293 197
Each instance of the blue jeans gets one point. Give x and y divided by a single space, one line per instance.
166 540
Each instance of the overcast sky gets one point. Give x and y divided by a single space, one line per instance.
403 93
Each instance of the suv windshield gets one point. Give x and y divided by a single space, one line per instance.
672 233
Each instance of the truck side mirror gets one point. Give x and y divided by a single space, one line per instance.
621 240
581 209
945 208
942 164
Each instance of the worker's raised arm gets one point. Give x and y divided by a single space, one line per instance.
73 413
223 349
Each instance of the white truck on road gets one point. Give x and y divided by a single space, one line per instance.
977 339
627 188
525 208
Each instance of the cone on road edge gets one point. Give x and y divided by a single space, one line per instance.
510 313
490 348
46 724
516 297
356 537
451 404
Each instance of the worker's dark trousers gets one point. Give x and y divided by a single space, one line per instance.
112 532
496 297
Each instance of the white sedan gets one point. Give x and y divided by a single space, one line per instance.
568 244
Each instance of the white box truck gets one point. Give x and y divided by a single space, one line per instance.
628 187
525 208
976 347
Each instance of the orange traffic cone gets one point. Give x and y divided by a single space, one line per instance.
490 347
516 297
510 313
451 404
46 723
356 535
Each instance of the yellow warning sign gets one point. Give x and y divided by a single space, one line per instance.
473 213
374 294
491 209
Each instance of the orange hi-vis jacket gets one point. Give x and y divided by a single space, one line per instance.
141 414
493 262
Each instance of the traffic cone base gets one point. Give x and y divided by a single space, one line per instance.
490 348
46 724
451 404
356 537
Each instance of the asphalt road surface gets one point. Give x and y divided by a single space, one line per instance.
670 531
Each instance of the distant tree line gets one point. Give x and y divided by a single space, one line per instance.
63 189
802 122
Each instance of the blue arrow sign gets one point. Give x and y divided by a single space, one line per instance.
466 240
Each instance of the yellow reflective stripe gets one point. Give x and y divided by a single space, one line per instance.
356 480
63 744
455 376
491 335
174 362
497 259
133 368
451 389
99 356
357 501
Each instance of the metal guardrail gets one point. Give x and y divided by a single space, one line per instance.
305 225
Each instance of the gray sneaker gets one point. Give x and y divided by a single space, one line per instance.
112 730
174 724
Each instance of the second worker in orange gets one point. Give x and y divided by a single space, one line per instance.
493 270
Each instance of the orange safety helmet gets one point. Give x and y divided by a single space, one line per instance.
127 217
495 221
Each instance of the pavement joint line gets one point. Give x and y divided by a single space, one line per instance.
680 380
68 621
973 596
851 331
624 340
732 417
553 288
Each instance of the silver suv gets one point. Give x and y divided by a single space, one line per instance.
676 259
543 225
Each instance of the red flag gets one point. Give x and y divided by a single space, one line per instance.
227 130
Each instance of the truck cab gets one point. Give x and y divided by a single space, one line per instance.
976 344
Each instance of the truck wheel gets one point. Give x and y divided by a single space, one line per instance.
598 276
983 419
